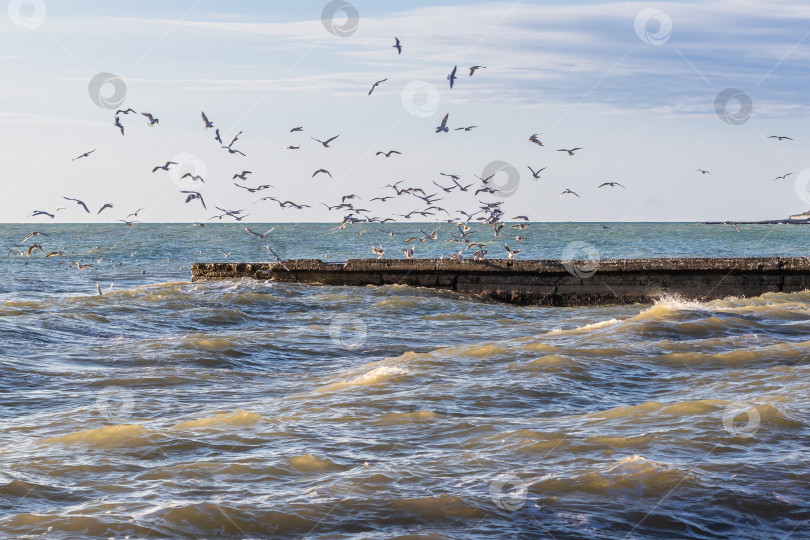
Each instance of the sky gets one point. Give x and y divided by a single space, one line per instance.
651 92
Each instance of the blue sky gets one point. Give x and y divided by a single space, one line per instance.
640 103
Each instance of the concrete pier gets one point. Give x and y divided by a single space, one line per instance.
543 282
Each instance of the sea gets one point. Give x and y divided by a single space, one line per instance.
137 404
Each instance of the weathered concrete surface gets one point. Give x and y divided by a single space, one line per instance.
544 282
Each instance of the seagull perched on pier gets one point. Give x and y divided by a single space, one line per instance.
452 77
326 142
397 45
373 86
152 119
84 155
443 127
570 152
164 167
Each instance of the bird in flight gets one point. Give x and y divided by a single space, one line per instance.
778 138
326 142
397 45
135 213
164 167
535 140
473 68
703 171
443 127
783 176
263 235
242 175
152 119
118 124
570 152
33 234
373 86
41 213
207 123
568 191
388 154
77 201
611 184
194 177
408 253
217 137
194 195
324 171
452 77
299 128
536 174
130 110
511 252
468 128
378 251
107 205
293 147
84 155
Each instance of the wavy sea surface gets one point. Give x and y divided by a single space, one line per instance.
164 408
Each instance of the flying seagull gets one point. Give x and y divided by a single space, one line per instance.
777 137
468 128
84 155
569 191
33 234
77 201
135 213
570 152
41 213
452 77
536 174
611 184
194 177
473 68
326 142
217 136
152 119
702 171
299 128
164 167
535 140
107 205
783 176
130 110
293 147
443 127
373 86
194 195
119 125
377 251
207 123
242 176
263 235
388 154
397 45
511 252
322 171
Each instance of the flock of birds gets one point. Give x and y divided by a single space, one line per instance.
489 214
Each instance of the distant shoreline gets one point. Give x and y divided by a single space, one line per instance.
764 222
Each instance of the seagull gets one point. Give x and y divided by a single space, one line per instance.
473 68
511 253
443 127
299 128
569 191
83 267
263 235
487 179
152 119
397 45
226 254
452 77
232 151
194 195
84 155
33 234
207 123
468 128
379 251
127 223
236 138
535 140
55 254
217 137
570 152
242 176
77 201
135 213
130 110
322 171
777 137
388 154
373 86
536 174
326 142
408 253
107 205
524 218
702 171
32 247
194 177
41 213
164 167
611 184
119 125
783 176
293 147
